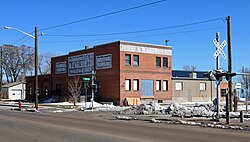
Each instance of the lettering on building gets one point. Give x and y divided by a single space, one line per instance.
104 61
61 67
143 49
81 64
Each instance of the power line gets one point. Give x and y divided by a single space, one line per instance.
20 39
24 41
141 31
181 32
103 15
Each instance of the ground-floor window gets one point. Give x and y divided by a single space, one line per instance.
165 85
127 84
158 85
136 84
202 86
223 92
178 86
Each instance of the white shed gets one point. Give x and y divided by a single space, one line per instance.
14 91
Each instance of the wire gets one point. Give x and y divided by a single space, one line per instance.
103 15
24 41
140 31
19 39
181 32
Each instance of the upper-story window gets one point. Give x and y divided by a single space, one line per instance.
158 62
136 60
165 62
127 60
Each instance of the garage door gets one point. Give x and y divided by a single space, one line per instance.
16 94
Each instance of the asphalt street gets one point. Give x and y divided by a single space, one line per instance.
102 126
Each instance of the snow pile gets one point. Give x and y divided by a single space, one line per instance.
151 108
95 105
197 110
174 109
179 110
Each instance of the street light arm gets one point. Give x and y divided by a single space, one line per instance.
11 28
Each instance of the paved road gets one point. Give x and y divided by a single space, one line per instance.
101 126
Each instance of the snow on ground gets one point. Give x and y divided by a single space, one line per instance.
174 108
243 107
83 105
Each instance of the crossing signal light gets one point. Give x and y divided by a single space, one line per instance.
219 75
230 75
210 75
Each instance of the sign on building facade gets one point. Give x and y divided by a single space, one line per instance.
144 49
104 61
61 67
81 64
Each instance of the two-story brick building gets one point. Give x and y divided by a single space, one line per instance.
131 70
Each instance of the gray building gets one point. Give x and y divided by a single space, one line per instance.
192 86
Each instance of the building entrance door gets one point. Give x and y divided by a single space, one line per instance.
147 88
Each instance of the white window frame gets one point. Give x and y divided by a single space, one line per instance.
179 86
202 86
158 85
127 84
136 84
165 85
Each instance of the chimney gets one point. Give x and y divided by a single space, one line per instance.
86 47
193 75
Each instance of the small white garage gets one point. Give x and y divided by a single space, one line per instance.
14 91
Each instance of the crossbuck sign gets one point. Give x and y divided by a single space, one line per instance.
219 49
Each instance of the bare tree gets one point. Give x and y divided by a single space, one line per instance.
74 89
44 63
17 62
189 68
246 81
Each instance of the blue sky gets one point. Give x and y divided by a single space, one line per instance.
192 45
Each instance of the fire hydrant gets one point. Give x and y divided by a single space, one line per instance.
20 104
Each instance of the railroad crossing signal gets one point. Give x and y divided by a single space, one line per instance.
219 48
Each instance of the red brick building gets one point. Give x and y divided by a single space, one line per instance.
135 71
44 87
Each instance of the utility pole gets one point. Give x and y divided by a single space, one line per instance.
229 61
93 89
1 70
36 69
247 83
229 94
